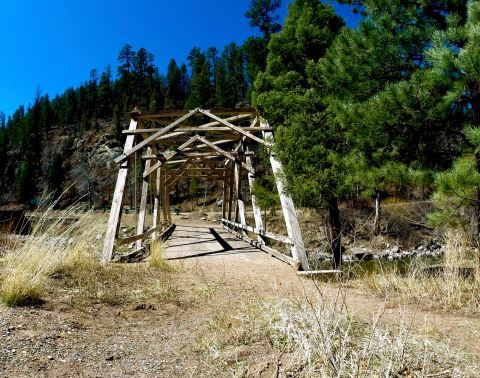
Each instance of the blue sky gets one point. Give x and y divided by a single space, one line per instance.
53 44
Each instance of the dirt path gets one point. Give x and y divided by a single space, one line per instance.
246 268
151 338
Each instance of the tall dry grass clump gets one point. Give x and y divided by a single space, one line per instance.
326 342
452 284
157 256
322 339
55 241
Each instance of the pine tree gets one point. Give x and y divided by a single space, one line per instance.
455 58
291 97
261 14
174 86
381 94
105 109
201 88
125 69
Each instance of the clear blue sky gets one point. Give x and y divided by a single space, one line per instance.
53 44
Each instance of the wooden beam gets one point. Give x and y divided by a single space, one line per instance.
257 214
147 141
141 236
167 155
260 232
183 130
116 209
143 203
223 152
236 128
156 203
272 252
288 208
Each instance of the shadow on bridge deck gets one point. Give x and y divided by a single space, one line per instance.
194 240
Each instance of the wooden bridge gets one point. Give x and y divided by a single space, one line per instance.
173 147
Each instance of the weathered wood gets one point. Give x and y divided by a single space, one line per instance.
163 188
150 139
267 234
143 203
138 237
238 188
116 209
231 192
167 155
224 153
257 214
225 193
271 251
236 128
241 212
156 204
288 208
182 130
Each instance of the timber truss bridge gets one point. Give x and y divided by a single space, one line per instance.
182 146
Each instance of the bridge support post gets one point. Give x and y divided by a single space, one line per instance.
257 214
143 203
156 202
288 208
117 201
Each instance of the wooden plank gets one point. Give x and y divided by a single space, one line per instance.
255 230
241 212
225 112
236 128
223 152
238 188
167 155
257 214
225 193
288 208
136 238
143 203
116 209
156 204
163 188
183 130
230 192
147 141
272 252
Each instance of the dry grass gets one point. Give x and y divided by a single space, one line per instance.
27 266
157 256
61 256
322 340
455 285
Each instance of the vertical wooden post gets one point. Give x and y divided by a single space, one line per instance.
117 201
143 201
288 208
163 191
257 214
156 204
230 192
225 193
238 188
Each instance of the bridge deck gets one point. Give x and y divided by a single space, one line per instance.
193 240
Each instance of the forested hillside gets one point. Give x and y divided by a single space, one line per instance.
31 166
387 109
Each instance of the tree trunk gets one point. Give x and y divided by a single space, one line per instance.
376 221
336 232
